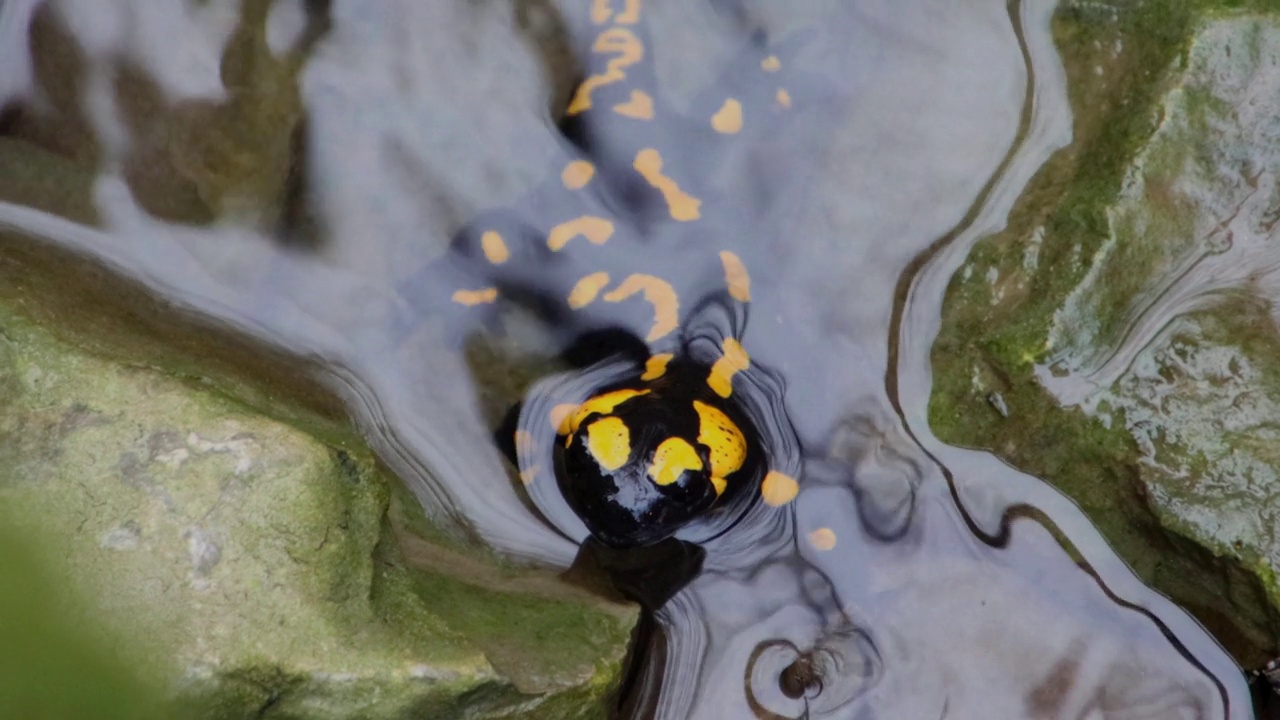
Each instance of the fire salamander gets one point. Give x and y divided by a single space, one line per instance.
647 227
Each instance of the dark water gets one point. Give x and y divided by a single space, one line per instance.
846 154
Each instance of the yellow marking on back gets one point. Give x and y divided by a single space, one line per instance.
577 174
475 297
659 293
656 366
682 205
602 10
602 404
585 290
615 41
609 441
638 107
495 250
733 361
671 459
778 489
784 98
631 14
736 277
771 64
824 538
728 119
560 415
720 434
596 230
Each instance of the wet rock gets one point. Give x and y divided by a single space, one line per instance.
255 572
1191 378
1130 321
1182 355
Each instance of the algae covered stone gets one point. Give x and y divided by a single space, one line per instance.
1124 315
247 570
1183 354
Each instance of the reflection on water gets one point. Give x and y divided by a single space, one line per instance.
846 154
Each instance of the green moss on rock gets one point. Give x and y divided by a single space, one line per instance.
254 571
1126 66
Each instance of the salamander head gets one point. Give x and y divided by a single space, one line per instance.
640 462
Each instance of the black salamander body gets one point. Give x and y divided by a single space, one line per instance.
644 228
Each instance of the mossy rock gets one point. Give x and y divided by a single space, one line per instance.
241 568
1057 292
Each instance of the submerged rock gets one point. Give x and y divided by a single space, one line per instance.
1189 375
255 572
1139 295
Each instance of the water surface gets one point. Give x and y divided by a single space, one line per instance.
905 578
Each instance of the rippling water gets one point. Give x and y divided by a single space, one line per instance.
874 142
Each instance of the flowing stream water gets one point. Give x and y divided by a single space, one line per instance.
915 579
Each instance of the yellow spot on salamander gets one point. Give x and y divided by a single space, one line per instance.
602 10
824 538
638 107
778 489
596 230
784 98
671 459
720 434
656 366
528 475
609 441
771 64
475 297
628 50
602 404
631 14
585 290
577 174
719 484
736 277
659 293
682 206
495 250
524 449
733 361
559 417
728 119
524 443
